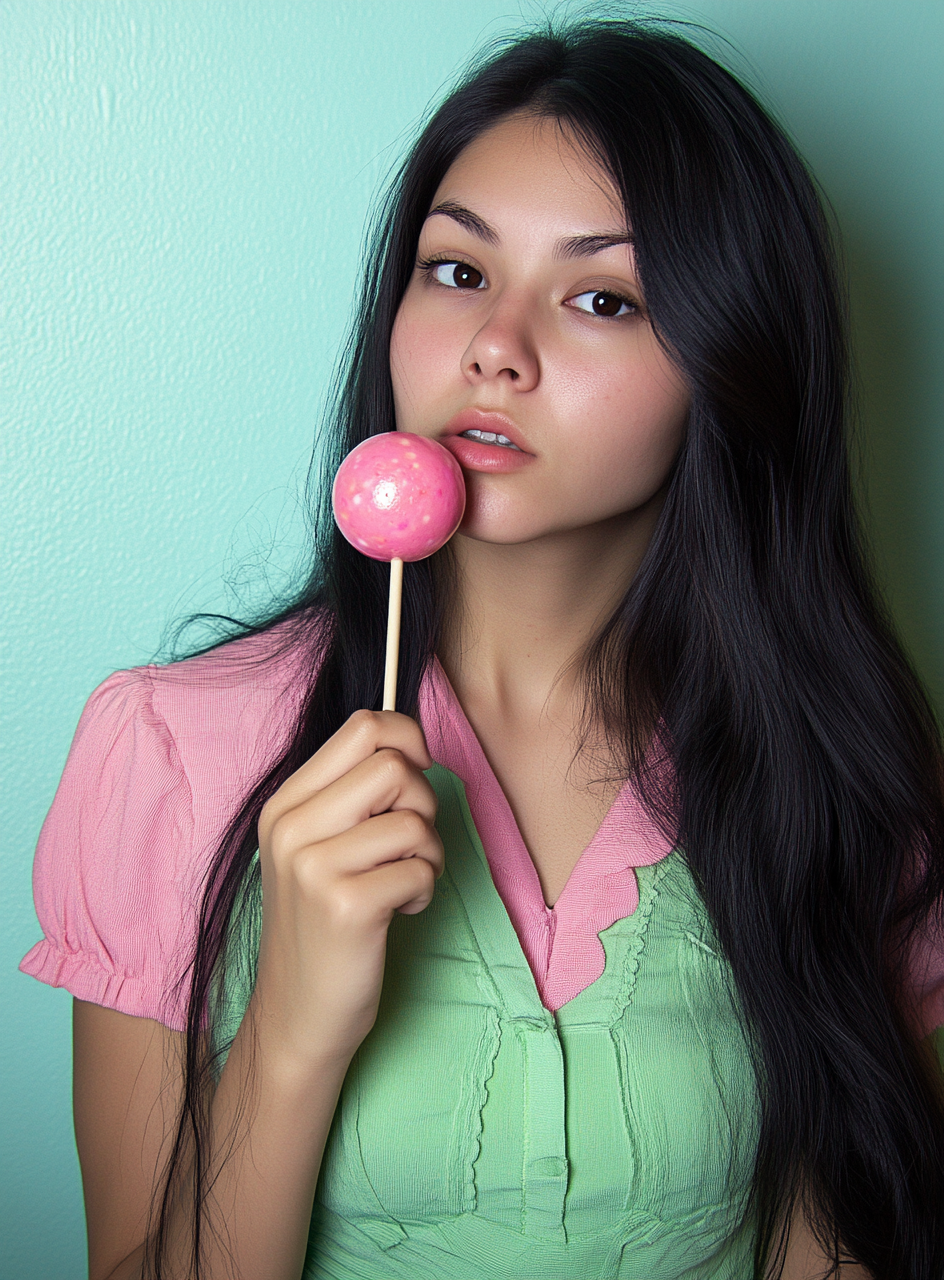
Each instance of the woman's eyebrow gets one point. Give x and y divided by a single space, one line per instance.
586 246
466 218
570 247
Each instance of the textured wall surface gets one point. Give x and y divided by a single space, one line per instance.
183 186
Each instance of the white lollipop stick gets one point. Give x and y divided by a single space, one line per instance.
393 635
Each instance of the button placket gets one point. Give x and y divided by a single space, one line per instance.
545 1146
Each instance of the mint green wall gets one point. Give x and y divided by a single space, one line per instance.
183 189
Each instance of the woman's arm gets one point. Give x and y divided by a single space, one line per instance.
126 1090
806 1260
346 842
127 1093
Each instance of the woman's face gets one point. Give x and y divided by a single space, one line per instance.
524 319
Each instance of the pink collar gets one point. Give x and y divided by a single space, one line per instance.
560 943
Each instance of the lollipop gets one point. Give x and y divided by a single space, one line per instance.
398 497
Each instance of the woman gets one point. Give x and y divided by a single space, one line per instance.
667 1017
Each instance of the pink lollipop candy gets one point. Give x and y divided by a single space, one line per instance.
398 497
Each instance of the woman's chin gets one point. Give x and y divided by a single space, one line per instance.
505 533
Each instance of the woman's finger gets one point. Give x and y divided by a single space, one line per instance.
406 886
384 781
365 733
388 837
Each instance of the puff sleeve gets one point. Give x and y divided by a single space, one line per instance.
115 878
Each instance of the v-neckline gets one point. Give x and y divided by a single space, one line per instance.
501 946
562 943
518 853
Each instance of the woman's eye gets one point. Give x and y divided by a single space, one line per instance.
600 303
457 275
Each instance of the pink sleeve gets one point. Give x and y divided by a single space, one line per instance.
113 876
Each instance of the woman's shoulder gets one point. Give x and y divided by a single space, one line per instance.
222 712
217 718
161 760
243 696
212 722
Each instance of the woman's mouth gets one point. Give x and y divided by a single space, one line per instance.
476 439
487 451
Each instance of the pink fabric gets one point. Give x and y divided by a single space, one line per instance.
159 761
162 756
560 943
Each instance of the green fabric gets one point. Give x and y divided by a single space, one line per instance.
481 1137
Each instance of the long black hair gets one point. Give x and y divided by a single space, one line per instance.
807 764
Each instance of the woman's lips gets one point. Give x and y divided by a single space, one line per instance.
475 455
478 455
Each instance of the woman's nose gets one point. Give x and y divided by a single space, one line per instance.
502 348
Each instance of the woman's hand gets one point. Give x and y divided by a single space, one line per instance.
344 843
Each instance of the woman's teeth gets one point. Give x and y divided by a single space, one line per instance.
489 437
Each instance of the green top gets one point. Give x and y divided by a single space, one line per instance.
481 1137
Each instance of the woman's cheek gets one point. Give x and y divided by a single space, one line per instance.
408 354
633 443
421 363
401 369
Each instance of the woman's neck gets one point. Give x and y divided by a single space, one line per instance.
521 620
522 616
